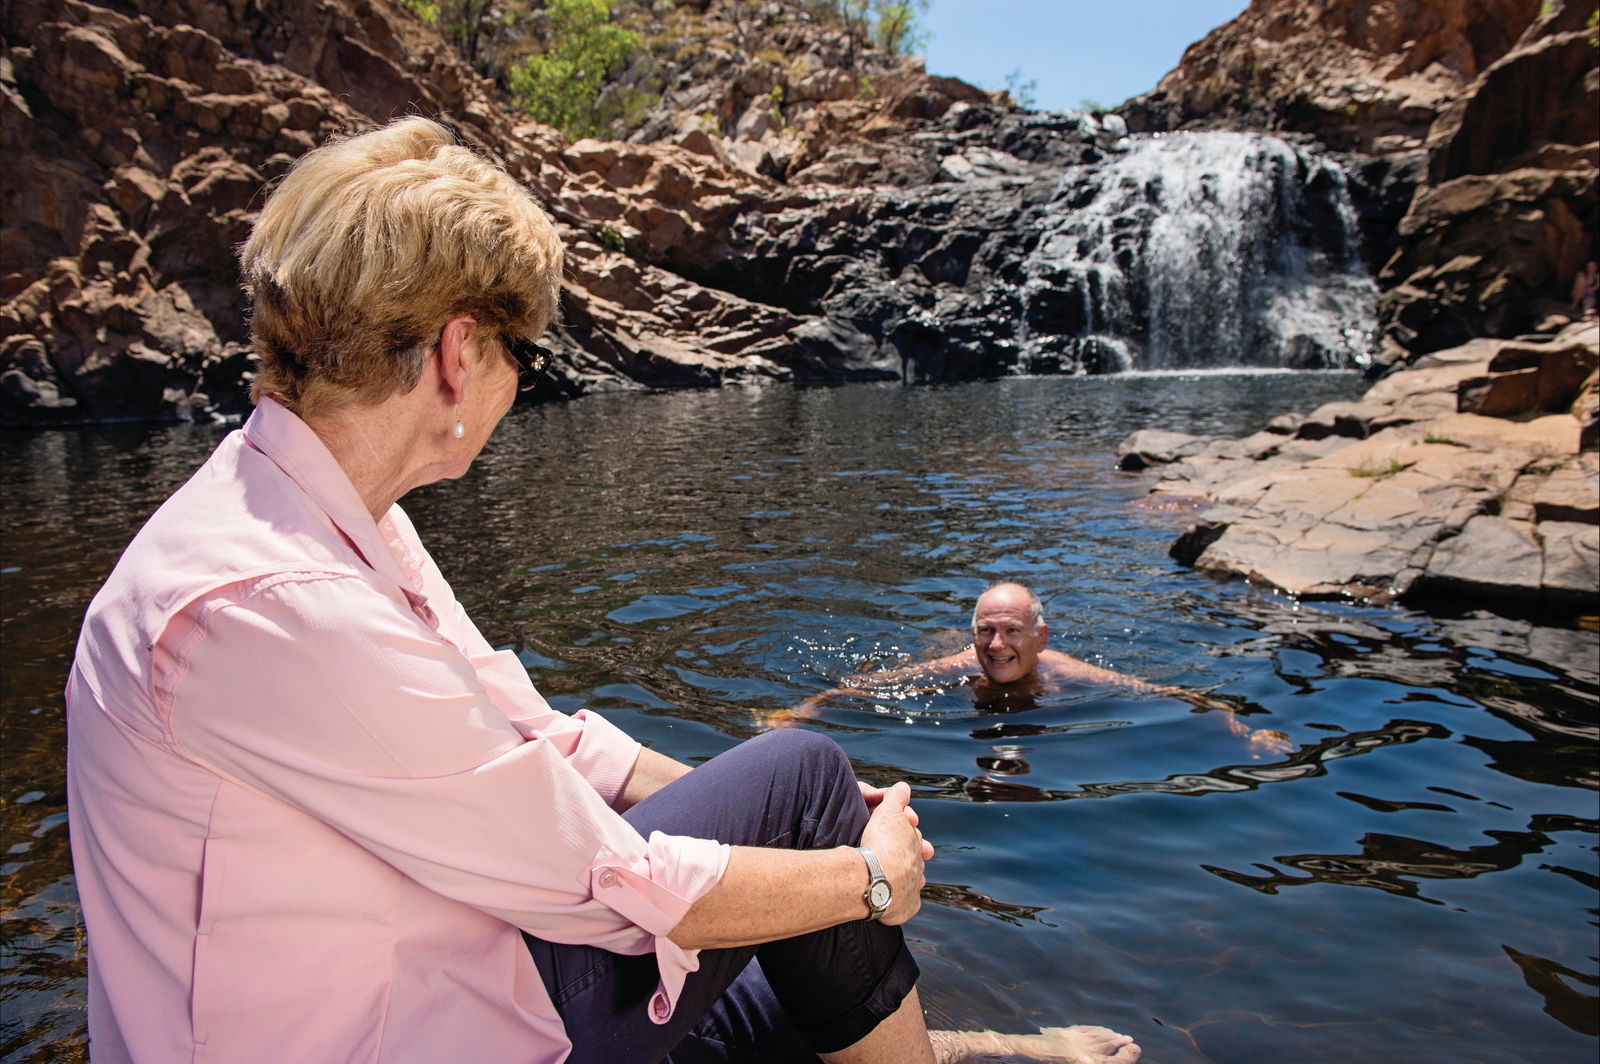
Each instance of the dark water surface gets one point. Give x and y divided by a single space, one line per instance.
1414 879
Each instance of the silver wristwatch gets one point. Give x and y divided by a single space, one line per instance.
878 894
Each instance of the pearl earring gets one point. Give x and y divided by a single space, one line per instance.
460 430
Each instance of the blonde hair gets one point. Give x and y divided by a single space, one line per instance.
370 245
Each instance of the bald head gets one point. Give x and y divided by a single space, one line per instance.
1012 594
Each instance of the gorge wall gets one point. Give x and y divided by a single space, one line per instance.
830 216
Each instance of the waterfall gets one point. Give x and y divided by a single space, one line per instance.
1198 250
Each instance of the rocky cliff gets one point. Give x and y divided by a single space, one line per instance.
138 138
1508 211
140 135
1356 75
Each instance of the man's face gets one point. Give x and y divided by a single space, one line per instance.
1007 646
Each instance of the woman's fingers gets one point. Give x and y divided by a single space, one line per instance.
893 832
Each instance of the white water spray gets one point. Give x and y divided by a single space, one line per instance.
1199 251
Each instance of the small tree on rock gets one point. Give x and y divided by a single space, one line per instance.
562 86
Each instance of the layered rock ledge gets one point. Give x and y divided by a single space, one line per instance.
1472 473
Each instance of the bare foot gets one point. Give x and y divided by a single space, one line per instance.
1053 1045
1085 1045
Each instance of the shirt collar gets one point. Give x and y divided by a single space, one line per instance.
300 453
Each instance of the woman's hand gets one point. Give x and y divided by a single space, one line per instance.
892 834
767 893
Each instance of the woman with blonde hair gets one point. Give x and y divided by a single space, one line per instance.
316 817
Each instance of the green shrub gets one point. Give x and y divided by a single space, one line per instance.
562 86
426 10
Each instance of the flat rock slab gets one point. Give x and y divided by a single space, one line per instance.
1400 493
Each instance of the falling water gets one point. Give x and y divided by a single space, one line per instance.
1197 251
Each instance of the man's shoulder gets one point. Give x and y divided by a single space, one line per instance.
1055 663
1056 657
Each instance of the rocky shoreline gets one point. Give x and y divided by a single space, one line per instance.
1473 473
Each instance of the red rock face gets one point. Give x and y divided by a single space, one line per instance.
1358 75
139 135
136 146
1509 211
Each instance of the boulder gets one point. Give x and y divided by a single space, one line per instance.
1149 447
1489 555
1571 562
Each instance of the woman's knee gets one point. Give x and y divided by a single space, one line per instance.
811 755
827 800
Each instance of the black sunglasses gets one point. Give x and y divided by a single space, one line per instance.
531 359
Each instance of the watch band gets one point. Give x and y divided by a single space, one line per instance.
878 894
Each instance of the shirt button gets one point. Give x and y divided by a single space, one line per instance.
608 879
662 1007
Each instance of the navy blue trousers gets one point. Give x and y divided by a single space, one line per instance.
810 994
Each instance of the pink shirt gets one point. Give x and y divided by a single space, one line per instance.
310 805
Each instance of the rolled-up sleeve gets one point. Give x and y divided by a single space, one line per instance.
326 694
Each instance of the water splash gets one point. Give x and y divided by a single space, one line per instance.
1199 251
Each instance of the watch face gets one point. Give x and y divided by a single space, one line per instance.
881 895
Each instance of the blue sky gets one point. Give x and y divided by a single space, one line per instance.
1102 50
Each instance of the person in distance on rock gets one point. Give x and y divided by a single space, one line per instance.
1009 654
316 817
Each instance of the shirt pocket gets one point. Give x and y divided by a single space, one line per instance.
209 984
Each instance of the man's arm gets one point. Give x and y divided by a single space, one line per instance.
945 668
1262 739
1068 667
867 684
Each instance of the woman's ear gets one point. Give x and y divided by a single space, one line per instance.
458 355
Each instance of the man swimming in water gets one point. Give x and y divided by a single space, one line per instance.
1009 637
1009 651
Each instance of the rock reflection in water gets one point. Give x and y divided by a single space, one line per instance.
1539 679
